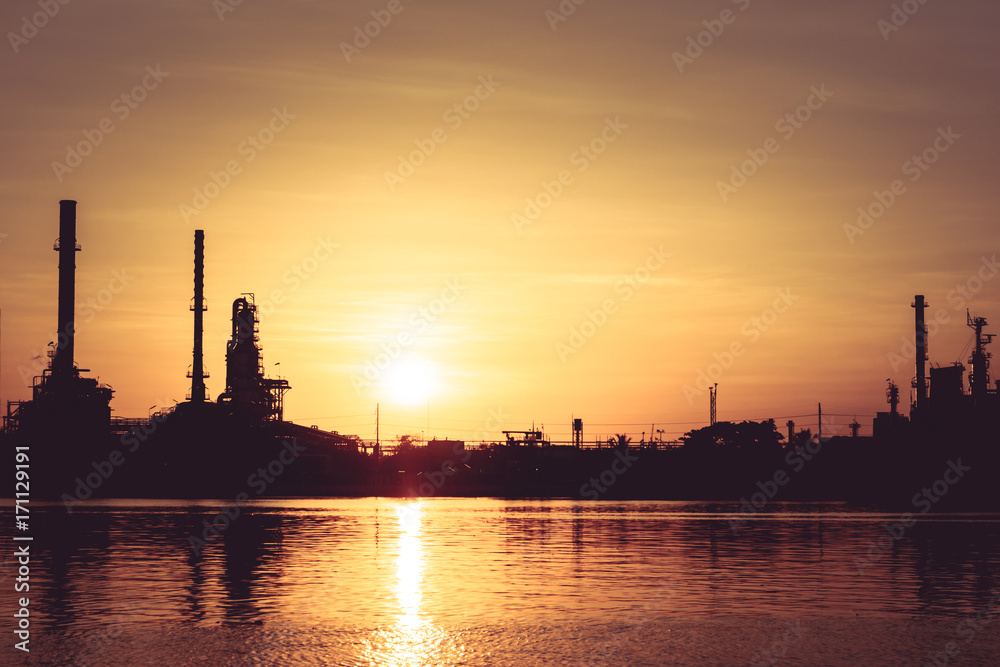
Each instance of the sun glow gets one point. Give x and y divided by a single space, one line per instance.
411 381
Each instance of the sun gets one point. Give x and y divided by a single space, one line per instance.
410 381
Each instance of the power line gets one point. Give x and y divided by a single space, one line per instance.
306 419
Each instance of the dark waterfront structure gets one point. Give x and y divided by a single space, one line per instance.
979 381
67 421
241 445
944 409
248 392
890 426
196 448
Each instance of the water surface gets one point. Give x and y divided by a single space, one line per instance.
495 582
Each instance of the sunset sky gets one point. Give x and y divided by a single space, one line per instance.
552 215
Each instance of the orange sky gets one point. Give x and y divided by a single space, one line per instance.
418 152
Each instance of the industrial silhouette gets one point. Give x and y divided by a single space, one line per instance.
240 443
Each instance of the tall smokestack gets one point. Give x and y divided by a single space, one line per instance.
921 343
62 363
197 370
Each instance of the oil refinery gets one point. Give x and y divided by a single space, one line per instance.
204 448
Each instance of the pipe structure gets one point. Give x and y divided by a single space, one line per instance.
920 341
197 368
979 381
66 246
892 397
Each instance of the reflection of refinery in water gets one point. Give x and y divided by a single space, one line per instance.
71 414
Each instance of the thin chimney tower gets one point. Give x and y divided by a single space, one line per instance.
921 344
197 369
66 246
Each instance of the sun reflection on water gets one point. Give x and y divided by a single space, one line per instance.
409 567
412 639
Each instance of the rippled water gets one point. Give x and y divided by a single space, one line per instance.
495 582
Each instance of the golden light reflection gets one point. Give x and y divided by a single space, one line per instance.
413 639
409 566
